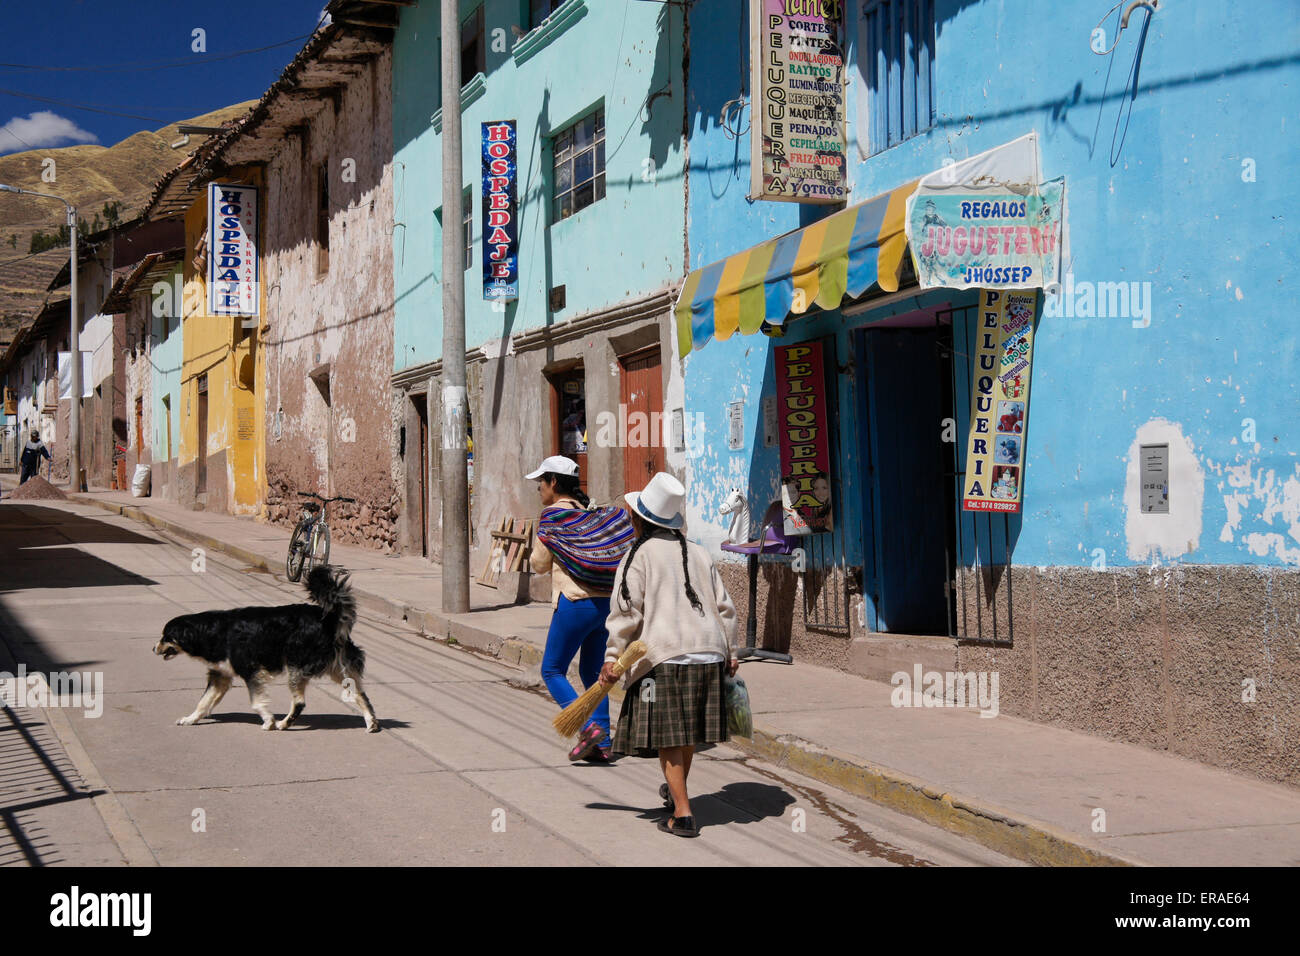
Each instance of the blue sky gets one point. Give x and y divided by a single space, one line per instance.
130 41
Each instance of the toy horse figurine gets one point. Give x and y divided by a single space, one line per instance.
738 508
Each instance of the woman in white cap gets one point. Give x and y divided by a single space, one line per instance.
668 594
580 546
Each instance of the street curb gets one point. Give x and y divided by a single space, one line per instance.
995 827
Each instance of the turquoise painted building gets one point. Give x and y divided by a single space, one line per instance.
597 93
166 358
1171 338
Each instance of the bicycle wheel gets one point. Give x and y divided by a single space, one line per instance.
297 551
319 549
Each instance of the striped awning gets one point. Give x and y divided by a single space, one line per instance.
844 254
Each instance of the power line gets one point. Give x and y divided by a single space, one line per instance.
147 65
9 262
16 136
75 106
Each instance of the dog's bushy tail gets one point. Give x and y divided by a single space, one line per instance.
328 586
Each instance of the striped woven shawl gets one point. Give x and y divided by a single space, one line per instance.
587 544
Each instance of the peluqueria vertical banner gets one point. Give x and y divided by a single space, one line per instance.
805 446
797 63
995 454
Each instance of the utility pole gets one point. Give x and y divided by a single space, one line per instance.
455 407
74 357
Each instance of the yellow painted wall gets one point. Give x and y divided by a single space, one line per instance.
233 362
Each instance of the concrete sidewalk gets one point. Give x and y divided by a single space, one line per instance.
1035 792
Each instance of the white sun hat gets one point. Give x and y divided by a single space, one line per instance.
556 465
660 502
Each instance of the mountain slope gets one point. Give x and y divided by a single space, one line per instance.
88 177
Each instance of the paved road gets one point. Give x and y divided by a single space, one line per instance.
466 771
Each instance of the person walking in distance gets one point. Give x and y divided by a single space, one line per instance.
580 546
668 594
31 459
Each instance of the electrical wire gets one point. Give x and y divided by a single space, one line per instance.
16 136
9 262
66 104
146 65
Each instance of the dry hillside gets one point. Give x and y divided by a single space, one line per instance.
88 177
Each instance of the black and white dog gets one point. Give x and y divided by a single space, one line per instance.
259 643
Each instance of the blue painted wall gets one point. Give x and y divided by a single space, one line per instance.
1189 187
615 53
167 358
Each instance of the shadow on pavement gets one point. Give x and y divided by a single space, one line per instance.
745 802
40 549
64 527
305 721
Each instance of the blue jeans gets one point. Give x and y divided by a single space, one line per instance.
577 626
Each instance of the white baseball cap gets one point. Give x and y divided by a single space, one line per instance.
556 465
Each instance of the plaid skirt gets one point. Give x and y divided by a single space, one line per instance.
675 705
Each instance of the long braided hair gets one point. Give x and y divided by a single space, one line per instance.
648 529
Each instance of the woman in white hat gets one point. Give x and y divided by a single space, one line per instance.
668 594
580 547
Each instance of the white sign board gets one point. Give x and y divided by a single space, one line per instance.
65 375
233 278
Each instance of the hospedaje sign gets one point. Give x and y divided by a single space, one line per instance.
964 237
802 423
500 212
233 270
797 147
1004 353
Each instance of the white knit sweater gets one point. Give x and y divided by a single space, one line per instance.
659 612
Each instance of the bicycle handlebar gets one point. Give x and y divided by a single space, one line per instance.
312 494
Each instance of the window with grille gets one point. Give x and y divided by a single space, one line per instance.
896 60
579 165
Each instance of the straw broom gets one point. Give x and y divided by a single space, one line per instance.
570 721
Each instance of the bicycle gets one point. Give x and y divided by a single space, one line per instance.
310 545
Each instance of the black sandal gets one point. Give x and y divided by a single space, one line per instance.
680 826
666 796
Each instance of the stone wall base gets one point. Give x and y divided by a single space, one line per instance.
1201 661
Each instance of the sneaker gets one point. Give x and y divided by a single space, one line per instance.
599 755
588 741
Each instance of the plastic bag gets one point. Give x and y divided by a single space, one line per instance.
140 482
740 719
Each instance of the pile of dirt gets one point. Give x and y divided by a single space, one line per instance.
36 488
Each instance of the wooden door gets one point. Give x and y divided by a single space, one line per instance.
167 413
569 420
139 429
201 459
642 394
422 412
